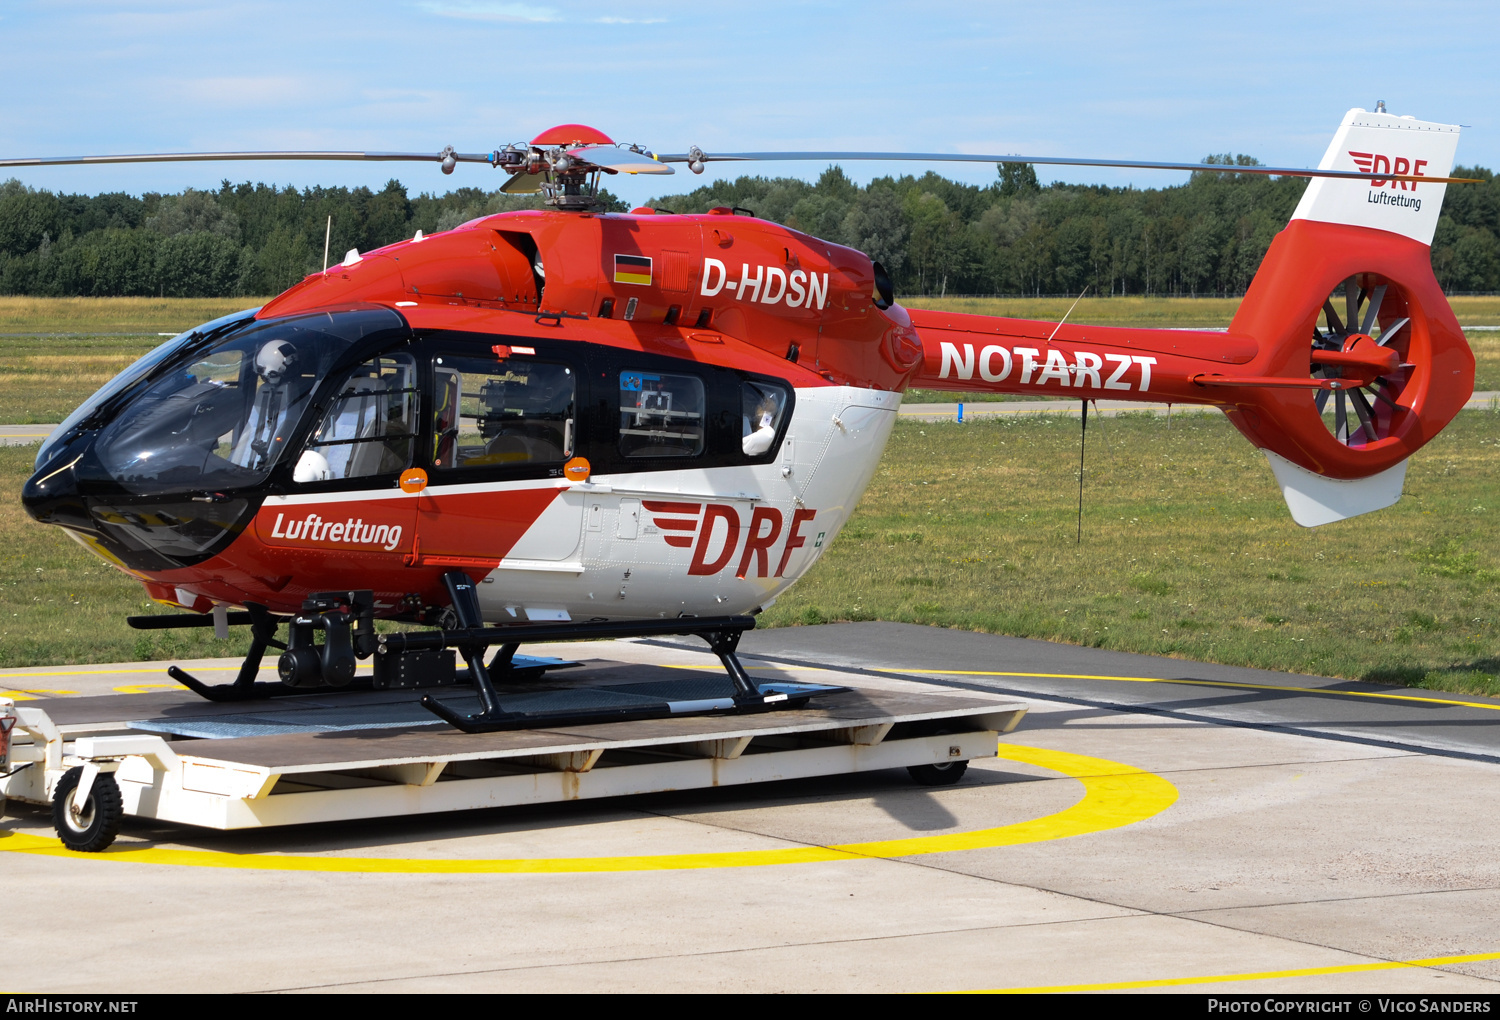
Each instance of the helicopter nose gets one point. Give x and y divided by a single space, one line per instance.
51 495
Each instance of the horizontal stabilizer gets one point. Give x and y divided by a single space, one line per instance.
1316 499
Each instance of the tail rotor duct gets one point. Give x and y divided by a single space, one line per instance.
1363 344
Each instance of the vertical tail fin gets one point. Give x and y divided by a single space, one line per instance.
1375 143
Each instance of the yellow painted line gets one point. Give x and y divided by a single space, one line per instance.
1263 975
5 677
45 690
1114 795
87 672
1203 683
714 667
362 671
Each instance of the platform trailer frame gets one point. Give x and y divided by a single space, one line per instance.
92 774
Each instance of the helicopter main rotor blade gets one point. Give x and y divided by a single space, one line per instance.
609 157
926 157
210 157
1135 164
523 184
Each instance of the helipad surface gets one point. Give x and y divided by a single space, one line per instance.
1111 845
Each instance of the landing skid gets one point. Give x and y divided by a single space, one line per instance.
252 691
524 669
474 639
348 626
263 628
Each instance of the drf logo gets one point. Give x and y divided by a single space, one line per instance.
718 530
996 364
1375 163
769 286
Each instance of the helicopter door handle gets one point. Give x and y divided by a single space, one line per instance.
210 497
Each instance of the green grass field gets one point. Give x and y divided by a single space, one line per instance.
54 352
1187 550
114 315
60 604
1187 547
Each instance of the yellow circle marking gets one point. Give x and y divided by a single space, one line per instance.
1114 795
1263 975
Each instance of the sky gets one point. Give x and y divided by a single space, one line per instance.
1167 81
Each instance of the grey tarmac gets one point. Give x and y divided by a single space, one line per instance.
1297 857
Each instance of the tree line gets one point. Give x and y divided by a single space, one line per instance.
934 236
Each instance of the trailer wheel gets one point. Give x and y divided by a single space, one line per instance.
93 826
944 773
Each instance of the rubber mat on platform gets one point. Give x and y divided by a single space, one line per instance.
675 696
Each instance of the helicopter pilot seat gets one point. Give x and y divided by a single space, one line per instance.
529 434
280 393
360 415
358 438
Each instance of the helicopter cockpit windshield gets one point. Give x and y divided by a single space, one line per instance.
171 459
221 419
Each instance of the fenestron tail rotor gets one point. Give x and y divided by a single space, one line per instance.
1363 344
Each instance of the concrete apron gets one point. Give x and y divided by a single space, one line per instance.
1287 863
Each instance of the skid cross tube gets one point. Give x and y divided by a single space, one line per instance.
408 641
176 621
472 640
466 607
747 695
262 636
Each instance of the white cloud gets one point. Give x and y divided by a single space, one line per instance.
488 10
249 90
480 10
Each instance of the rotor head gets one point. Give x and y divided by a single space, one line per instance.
564 163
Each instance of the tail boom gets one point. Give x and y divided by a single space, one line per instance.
985 354
1268 371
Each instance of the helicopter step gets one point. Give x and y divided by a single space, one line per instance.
426 659
369 754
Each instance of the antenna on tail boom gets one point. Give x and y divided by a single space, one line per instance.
1084 435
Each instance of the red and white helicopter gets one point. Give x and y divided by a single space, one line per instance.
571 423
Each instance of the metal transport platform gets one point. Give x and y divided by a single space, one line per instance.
173 757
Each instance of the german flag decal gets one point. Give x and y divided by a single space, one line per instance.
633 269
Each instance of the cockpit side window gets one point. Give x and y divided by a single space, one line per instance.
661 414
369 427
762 414
505 411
